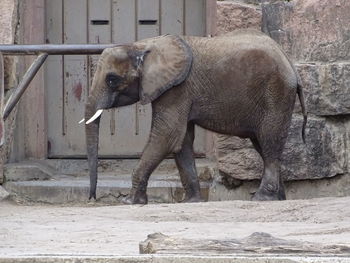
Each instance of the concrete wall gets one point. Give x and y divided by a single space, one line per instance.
8 27
316 36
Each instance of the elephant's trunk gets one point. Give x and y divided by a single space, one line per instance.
92 138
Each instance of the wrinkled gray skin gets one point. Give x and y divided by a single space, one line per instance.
239 84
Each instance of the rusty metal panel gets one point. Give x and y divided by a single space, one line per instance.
195 17
172 17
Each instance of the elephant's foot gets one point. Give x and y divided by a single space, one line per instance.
193 199
265 195
92 195
140 198
136 198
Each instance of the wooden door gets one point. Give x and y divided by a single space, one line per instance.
124 131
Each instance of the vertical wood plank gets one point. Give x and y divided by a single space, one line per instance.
31 118
98 11
171 21
195 17
75 77
2 94
147 10
123 21
124 142
123 31
2 126
54 76
211 17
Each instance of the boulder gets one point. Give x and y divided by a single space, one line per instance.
327 87
237 158
310 30
235 15
7 30
8 23
325 153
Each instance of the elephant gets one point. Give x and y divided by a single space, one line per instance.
240 84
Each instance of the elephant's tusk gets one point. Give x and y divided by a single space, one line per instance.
81 121
96 115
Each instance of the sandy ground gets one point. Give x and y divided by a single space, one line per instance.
117 230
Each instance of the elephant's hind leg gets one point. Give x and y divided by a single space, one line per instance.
185 162
270 146
271 187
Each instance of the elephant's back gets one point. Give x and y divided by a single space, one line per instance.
232 48
235 73
247 52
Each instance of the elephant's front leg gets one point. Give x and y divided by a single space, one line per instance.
153 154
167 134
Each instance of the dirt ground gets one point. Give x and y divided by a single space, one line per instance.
117 230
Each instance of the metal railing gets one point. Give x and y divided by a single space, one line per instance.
63 49
42 51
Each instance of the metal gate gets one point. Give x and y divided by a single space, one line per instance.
124 131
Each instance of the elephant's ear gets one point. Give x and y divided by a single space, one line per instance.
167 64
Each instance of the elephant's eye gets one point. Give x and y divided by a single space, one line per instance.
113 80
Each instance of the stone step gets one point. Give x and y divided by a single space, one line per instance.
45 182
110 190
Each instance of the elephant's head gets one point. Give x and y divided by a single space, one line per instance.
129 73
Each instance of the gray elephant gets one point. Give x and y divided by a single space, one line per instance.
240 84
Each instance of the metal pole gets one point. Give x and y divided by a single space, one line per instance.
2 95
65 49
27 78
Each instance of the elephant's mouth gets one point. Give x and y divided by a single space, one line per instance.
94 117
101 106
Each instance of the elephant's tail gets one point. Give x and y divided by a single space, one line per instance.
303 107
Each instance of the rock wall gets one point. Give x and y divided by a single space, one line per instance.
316 36
8 25
236 15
